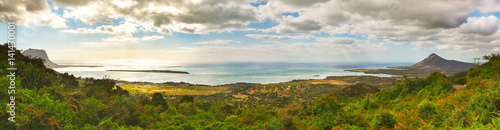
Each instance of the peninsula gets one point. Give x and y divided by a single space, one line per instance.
433 63
157 71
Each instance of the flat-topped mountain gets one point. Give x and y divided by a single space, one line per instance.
40 53
435 62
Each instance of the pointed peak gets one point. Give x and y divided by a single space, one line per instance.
434 55
436 62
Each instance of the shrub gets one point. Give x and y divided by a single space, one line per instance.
384 119
426 110
187 99
460 78
33 77
367 105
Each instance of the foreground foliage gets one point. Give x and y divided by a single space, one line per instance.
49 100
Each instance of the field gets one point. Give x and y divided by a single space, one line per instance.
380 82
328 81
141 88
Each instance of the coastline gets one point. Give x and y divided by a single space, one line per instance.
156 71
412 73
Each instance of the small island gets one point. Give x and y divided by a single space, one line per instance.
157 71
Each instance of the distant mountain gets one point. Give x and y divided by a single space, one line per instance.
435 62
40 53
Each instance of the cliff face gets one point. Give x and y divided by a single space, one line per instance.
39 53
436 62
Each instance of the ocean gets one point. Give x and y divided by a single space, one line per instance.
223 73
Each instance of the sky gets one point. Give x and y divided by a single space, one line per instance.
214 31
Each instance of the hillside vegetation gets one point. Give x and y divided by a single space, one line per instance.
46 99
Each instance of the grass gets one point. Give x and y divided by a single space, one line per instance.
328 81
379 82
165 89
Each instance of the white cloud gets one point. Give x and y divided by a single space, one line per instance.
151 38
273 42
126 27
117 40
32 12
291 24
218 42
102 29
490 6
434 24
98 44
121 39
181 16
279 37
482 25
440 24
294 52
337 40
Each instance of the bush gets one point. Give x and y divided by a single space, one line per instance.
187 99
33 77
426 110
460 78
367 105
384 119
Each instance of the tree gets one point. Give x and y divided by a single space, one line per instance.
159 100
491 56
187 99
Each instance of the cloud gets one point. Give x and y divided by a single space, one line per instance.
218 42
126 27
111 41
294 52
182 16
291 25
151 38
101 29
490 6
337 40
302 3
434 24
482 25
440 24
74 2
279 37
32 12
97 44
273 42
121 39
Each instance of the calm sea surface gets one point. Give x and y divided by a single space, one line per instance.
215 74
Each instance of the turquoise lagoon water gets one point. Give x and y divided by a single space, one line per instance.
216 74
